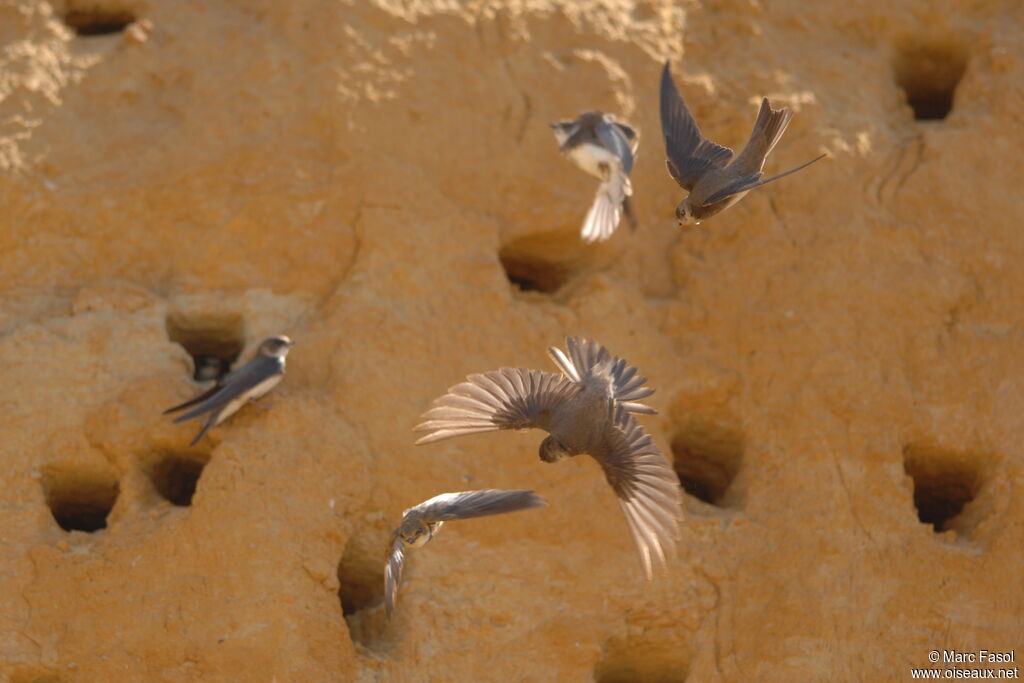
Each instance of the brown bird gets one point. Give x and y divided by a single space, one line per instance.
703 167
586 410
420 523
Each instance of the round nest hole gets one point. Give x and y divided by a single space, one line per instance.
175 477
80 500
928 73
944 482
707 457
93 19
655 656
214 342
544 262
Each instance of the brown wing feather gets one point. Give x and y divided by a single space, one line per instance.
393 574
509 398
690 154
647 488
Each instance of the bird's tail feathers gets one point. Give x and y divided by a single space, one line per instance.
793 170
627 208
771 124
587 361
605 212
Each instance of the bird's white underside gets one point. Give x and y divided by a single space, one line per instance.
591 158
259 390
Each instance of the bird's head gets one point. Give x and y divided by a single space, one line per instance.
684 214
276 346
416 532
551 450
562 130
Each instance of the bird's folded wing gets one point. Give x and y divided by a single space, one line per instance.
647 488
198 399
612 137
745 184
509 398
393 574
467 504
631 135
587 359
690 154
241 381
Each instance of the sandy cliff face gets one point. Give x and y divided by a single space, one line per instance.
836 358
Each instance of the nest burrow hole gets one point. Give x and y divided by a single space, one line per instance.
176 475
541 263
214 342
707 457
657 657
929 72
945 481
80 500
90 19
361 590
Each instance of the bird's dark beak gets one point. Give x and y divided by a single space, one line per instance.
553 125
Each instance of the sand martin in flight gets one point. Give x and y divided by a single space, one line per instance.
604 148
703 168
587 409
420 523
235 389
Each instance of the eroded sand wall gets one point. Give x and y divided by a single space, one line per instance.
366 178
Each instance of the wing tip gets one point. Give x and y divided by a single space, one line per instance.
426 438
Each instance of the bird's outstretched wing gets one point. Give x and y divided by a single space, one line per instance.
745 184
588 360
647 488
234 385
467 504
393 574
690 154
509 398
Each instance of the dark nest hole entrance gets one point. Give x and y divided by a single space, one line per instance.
542 263
944 482
80 500
175 476
361 590
655 657
707 458
928 72
214 342
97 20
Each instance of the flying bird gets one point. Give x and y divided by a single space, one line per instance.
604 148
586 409
703 168
420 523
233 390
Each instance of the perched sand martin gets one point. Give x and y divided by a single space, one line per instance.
587 409
605 149
703 168
420 523
233 390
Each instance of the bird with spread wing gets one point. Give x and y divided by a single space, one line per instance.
586 409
